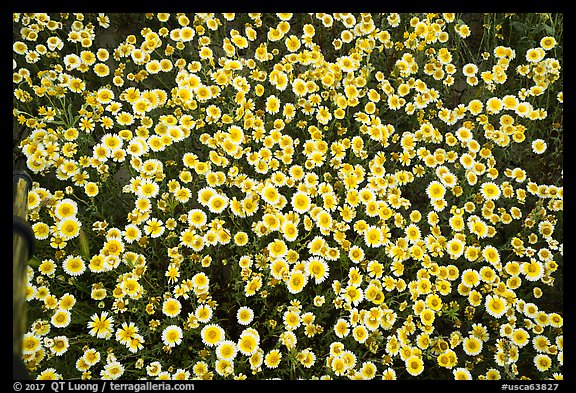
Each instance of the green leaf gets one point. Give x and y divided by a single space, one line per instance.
544 27
520 27
84 245
34 262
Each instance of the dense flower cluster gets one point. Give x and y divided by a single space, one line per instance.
314 196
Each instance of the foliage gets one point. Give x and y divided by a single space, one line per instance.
292 196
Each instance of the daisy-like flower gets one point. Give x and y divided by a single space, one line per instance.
148 189
112 370
434 302
299 87
253 286
98 264
474 107
548 42
212 334
200 280
472 345
412 233
41 230
291 319
272 104
356 254
49 374
477 227
318 269
306 357
475 298
470 278
389 374
530 309
65 208
288 339
113 246
91 189
491 255
296 281
181 375
204 313
461 373
67 301
368 370
316 245
126 332
101 69
226 349
455 248
539 146
124 118
30 344
240 238
101 326
542 362
248 342
435 190
244 315
172 336
74 265
300 202
373 236
91 356
494 105
338 365
69 228
414 365
154 227
360 333
520 337
183 194
60 345
131 233
72 61
277 248
224 367
495 305
341 328
112 141
289 231
353 294
534 55
235 134
487 274
278 268
540 343
154 368
217 203
196 218
490 191
533 270
270 194
427 317
470 69
273 358
171 307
